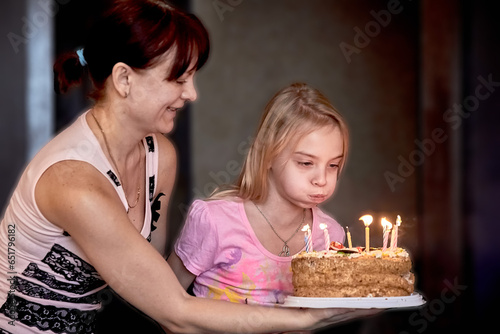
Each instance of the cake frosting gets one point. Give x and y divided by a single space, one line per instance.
352 273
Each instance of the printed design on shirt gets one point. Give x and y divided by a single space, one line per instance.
229 293
240 278
279 296
38 291
233 256
151 149
151 187
155 204
113 178
47 317
3 331
151 144
71 266
155 214
281 280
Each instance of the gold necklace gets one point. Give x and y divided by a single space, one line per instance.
285 251
116 166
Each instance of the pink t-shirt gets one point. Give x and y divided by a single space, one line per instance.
218 245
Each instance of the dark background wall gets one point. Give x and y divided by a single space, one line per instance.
418 84
12 121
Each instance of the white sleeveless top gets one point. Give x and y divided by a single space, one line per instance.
47 284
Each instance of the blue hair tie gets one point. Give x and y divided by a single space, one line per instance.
81 58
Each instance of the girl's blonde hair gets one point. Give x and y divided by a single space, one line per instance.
293 112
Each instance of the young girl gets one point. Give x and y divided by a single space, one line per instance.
237 246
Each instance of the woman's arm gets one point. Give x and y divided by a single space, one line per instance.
78 198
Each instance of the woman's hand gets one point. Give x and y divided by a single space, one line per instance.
336 316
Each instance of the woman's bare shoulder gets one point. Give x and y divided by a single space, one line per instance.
72 185
167 152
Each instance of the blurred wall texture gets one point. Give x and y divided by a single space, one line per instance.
417 82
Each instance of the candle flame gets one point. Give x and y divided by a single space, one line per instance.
398 221
305 228
367 219
322 226
386 224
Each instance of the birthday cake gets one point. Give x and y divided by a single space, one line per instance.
351 272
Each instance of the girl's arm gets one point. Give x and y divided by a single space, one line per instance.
167 167
76 197
184 276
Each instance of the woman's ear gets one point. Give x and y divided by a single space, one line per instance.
121 78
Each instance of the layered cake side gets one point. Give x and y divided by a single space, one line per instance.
358 274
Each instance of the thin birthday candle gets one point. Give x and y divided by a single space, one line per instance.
367 220
394 244
349 241
307 238
393 238
387 228
310 240
327 236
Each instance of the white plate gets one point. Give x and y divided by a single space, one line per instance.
352 302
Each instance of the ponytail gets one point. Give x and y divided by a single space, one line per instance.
69 70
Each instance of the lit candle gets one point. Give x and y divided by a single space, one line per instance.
394 237
367 220
349 242
307 238
327 236
387 228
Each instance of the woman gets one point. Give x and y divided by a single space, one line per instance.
80 217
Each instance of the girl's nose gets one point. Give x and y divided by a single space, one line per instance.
319 178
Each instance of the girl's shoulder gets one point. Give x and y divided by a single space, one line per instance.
215 209
222 199
216 204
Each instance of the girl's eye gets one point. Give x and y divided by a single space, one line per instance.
305 163
181 82
334 165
